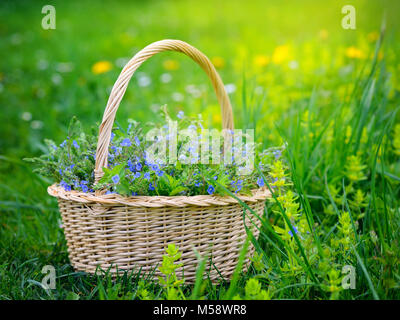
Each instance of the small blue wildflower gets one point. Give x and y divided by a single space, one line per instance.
238 188
112 136
260 182
134 193
65 185
151 187
75 144
62 145
160 173
60 171
210 189
131 166
146 175
181 114
215 177
84 188
198 184
84 182
109 192
138 175
137 141
126 143
115 179
295 231
277 154
138 166
154 167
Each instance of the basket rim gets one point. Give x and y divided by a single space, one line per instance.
57 191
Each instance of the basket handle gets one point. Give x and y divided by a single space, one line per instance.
127 72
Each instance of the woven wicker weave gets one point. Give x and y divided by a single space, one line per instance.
125 233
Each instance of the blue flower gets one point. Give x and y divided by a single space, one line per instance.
210 189
131 166
295 231
238 188
137 141
147 175
260 182
160 173
180 114
62 145
65 185
84 188
151 187
112 136
215 177
126 143
138 166
277 154
75 144
154 167
115 179
138 175
197 184
134 193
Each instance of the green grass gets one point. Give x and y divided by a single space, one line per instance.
336 112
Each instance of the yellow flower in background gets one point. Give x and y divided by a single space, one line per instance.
218 62
216 118
101 67
373 36
354 53
281 54
323 34
261 60
171 65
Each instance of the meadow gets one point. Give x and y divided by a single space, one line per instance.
329 95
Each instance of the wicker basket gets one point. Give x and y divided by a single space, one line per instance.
124 233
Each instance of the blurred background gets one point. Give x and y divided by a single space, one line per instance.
281 61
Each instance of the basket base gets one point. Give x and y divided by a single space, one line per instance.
126 238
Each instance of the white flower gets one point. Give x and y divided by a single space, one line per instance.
64 67
27 116
121 62
42 64
230 88
143 80
293 64
36 124
165 78
56 79
177 96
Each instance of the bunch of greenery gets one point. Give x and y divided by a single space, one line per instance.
130 171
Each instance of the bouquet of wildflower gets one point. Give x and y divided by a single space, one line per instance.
172 158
